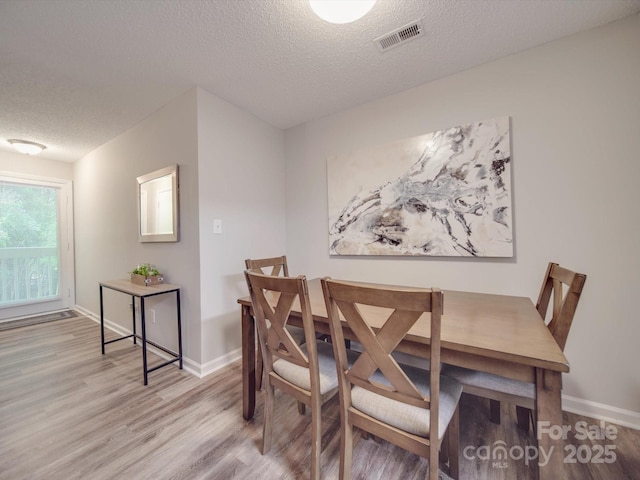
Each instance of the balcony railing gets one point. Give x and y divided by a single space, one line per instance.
28 274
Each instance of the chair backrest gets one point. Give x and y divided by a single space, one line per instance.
273 299
564 302
278 265
380 318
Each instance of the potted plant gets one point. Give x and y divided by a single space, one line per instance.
146 274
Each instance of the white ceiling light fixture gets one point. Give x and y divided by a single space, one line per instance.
24 146
341 11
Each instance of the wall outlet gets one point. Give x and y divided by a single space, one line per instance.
152 315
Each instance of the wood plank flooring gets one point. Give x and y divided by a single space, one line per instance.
68 412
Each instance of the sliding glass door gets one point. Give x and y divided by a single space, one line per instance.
36 256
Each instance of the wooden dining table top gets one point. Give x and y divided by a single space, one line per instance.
501 327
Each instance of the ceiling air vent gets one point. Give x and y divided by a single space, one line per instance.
399 36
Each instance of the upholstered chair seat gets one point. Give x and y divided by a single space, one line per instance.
406 417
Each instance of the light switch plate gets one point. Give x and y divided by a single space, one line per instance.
217 226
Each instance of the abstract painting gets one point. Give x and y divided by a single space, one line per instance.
446 193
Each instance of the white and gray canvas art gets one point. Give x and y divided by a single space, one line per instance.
446 193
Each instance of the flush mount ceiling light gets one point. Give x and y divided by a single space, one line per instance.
23 146
341 11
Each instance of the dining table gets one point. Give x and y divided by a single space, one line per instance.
500 334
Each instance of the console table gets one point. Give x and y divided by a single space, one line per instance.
142 292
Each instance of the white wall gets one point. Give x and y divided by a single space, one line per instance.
106 221
232 169
241 182
575 113
34 166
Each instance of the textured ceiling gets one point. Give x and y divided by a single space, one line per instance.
76 73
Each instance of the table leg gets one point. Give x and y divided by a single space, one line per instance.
133 317
101 319
144 340
248 364
179 328
549 425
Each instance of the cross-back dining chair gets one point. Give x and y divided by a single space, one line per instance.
306 372
405 405
275 266
561 288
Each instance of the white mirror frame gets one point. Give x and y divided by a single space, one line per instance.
144 212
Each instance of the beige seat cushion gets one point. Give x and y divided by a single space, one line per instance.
326 365
408 417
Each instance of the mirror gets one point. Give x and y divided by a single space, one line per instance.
158 205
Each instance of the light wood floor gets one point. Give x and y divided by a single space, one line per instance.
68 412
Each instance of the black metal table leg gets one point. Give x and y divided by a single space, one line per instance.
133 318
179 328
144 339
101 320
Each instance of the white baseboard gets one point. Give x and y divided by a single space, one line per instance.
86 313
600 411
208 368
221 362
